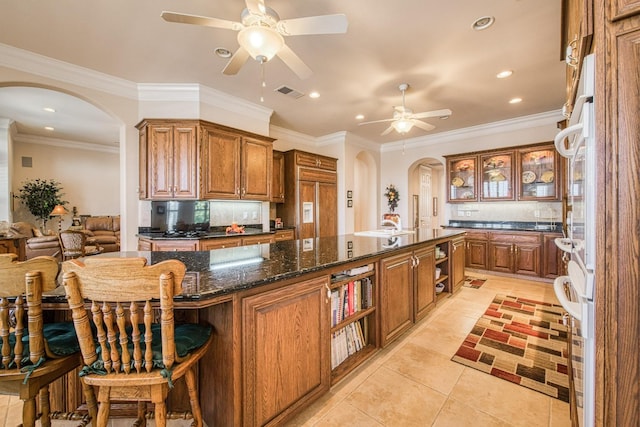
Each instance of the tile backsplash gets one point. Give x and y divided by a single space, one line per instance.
507 211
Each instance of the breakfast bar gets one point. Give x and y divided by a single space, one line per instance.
274 311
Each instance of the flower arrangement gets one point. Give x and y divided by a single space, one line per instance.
393 197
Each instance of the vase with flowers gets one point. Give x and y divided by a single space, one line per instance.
393 197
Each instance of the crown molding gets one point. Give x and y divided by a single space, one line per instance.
40 65
65 143
278 132
510 125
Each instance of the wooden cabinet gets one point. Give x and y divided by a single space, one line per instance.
461 178
456 268
171 245
195 159
577 35
496 176
518 253
219 243
168 160
396 296
311 200
254 240
552 264
527 173
236 166
285 350
281 235
424 286
476 255
277 178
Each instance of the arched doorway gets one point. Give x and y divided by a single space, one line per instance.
365 178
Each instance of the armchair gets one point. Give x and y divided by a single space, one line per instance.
36 245
105 231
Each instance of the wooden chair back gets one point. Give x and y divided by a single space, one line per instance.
21 288
74 244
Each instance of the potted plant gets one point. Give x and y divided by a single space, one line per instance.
40 196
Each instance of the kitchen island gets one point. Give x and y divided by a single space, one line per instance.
279 342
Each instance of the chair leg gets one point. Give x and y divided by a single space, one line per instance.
90 397
45 410
190 378
158 398
104 400
141 421
29 412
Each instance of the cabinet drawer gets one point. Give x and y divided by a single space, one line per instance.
306 174
476 235
254 240
219 243
314 160
508 237
283 235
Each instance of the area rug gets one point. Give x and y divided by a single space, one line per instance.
522 341
473 282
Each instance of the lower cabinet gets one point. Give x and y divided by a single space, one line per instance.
286 350
457 263
424 275
518 253
219 243
476 251
553 264
396 296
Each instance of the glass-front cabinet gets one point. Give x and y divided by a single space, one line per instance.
538 174
496 179
461 172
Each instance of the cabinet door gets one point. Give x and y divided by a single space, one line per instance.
461 179
496 176
527 259
144 245
143 153
221 164
277 178
476 255
396 296
257 158
500 257
160 162
175 245
539 174
457 263
284 235
254 240
424 277
327 212
286 350
219 243
307 206
552 263
185 163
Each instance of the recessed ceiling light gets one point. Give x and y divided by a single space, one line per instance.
515 100
504 74
314 94
49 109
49 128
223 52
483 23
360 117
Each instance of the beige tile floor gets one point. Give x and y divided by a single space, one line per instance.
413 382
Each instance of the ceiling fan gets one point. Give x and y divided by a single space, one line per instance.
404 118
261 34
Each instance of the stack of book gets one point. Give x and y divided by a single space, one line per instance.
346 341
350 298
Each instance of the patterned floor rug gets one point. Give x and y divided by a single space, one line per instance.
521 341
473 282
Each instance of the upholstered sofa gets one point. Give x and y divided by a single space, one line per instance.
104 231
36 243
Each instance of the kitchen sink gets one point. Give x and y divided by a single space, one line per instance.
385 232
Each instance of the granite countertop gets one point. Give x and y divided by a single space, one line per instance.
222 271
551 227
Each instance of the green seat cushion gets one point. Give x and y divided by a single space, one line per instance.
60 337
188 337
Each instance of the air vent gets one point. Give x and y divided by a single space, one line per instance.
286 90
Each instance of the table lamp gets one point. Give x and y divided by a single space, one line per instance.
58 211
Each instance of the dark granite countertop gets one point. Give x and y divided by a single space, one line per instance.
222 271
211 234
507 225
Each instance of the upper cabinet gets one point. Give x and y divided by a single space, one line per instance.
516 173
577 34
195 159
496 181
538 168
461 173
277 177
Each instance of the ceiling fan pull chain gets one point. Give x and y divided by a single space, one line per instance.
264 83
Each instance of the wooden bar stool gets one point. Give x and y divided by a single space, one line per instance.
131 347
34 353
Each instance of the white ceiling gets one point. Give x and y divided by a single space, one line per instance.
427 43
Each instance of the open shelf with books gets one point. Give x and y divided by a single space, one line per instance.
353 318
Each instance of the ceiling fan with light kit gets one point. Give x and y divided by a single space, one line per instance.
404 118
261 34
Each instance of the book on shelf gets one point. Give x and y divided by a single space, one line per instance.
346 342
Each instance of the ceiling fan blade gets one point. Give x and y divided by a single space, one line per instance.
236 62
256 7
435 113
422 125
294 62
324 24
387 131
375 121
183 18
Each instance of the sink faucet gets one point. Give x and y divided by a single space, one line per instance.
397 224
